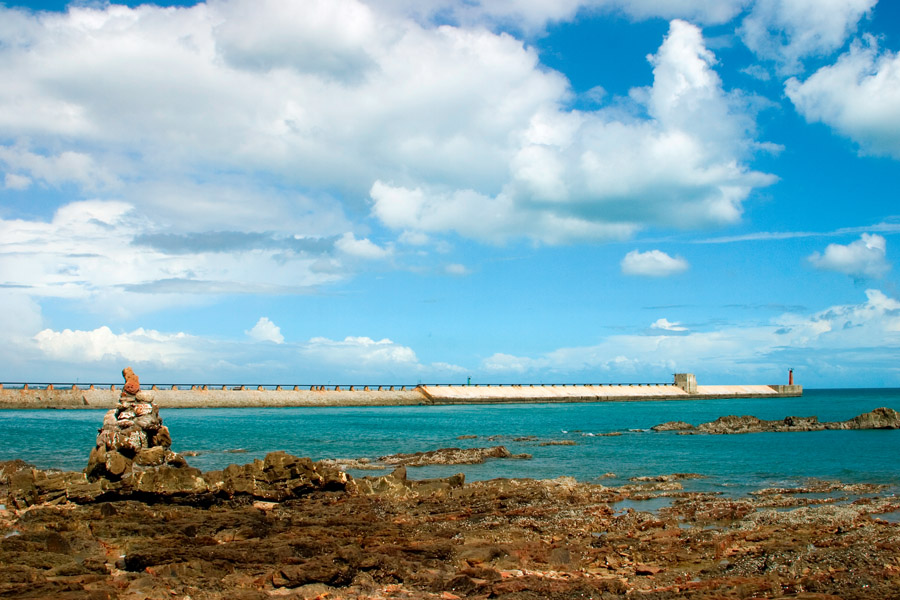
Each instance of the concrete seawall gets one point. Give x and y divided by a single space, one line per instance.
198 397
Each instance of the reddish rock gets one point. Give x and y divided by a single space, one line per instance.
132 383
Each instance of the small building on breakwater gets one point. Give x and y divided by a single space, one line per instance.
684 387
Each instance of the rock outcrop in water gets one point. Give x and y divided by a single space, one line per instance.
450 456
880 418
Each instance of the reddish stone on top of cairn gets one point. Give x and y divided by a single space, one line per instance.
132 437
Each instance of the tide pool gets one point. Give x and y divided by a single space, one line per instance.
62 439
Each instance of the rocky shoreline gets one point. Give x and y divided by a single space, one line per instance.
140 523
287 527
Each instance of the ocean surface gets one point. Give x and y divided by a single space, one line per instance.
732 464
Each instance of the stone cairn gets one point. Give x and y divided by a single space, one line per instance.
132 438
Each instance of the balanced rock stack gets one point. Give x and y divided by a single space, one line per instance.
132 438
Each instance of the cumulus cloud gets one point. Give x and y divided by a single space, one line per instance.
828 344
653 263
859 96
463 117
596 175
364 248
862 259
788 31
266 331
666 325
177 356
138 346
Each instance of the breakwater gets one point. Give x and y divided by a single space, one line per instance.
206 396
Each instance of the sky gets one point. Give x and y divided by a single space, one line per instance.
438 191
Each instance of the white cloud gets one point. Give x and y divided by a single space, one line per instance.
266 331
862 259
831 347
177 356
138 346
14 181
596 175
788 31
355 354
653 263
666 325
535 15
456 269
68 166
364 248
466 117
859 96
115 261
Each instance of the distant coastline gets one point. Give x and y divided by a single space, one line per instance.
205 396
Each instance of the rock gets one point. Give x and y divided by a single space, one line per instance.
278 477
880 418
451 456
673 426
397 485
734 424
132 435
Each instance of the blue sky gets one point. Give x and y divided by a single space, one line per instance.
337 191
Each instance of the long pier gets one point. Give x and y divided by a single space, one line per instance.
97 396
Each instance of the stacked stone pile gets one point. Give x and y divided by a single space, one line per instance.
133 437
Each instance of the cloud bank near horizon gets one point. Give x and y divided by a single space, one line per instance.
840 336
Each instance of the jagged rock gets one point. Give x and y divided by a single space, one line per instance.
278 477
880 418
397 485
450 456
673 426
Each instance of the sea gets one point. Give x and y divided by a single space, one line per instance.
564 440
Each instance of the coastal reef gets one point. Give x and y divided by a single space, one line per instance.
880 418
389 537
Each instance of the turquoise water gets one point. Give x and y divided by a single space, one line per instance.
736 463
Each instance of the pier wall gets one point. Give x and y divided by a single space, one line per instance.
198 397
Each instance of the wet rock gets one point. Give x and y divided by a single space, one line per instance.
451 456
514 539
673 426
671 477
278 477
880 418
398 485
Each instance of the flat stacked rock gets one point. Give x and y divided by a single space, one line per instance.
132 438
